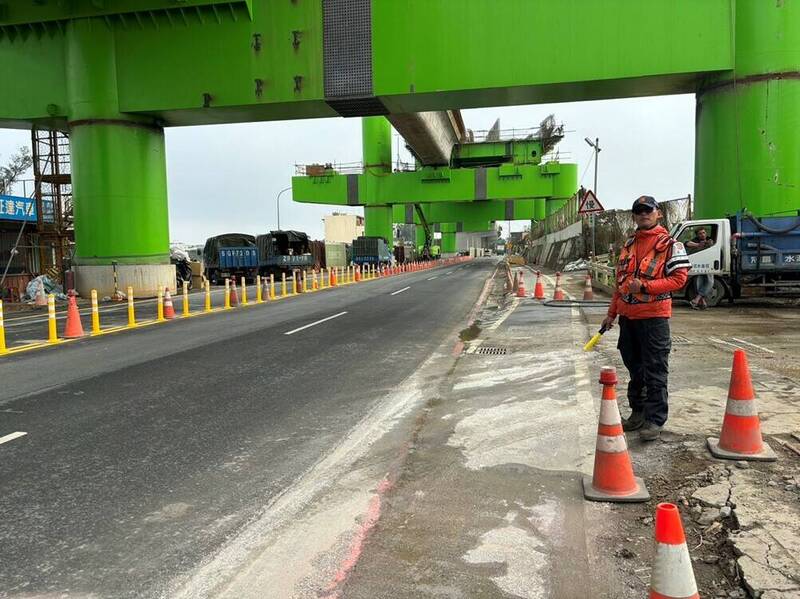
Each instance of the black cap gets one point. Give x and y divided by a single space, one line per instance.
645 201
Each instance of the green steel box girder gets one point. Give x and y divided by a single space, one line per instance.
128 68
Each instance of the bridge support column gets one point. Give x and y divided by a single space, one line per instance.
119 175
449 246
747 146
376 142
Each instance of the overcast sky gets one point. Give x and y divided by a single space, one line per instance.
225 178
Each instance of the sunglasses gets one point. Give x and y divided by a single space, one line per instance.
643 209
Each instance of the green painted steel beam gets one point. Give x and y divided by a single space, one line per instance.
264 60
35 12
506 182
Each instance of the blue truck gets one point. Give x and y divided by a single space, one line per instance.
749 256
230 255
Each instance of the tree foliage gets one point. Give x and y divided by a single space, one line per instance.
17 166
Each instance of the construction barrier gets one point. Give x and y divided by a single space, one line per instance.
740 438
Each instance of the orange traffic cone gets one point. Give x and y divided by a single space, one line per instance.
558 294
588 292
538 290
358 274
740 438
234 296
521 285
169 309
672 576
73 328
613 478
515 284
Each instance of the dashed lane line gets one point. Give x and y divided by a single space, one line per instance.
313 324
11 437
401 290
432 278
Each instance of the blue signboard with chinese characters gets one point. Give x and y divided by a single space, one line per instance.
16 208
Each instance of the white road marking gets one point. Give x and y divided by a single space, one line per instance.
11 437
720 341
753 345
449 272
400 290
293 331
432 278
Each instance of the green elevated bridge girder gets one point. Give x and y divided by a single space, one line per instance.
193 62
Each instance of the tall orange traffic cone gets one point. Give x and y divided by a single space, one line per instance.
558 293
521 285
73 328
588 292
613 478
169 309
740 438
538 290
515 284
358 274
234 295
672 576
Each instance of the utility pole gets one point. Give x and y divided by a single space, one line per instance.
596 146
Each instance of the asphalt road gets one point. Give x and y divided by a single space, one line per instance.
146 450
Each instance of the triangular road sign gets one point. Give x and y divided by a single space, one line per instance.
590 204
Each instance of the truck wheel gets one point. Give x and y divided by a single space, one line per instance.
718 293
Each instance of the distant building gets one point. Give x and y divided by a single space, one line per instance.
343 228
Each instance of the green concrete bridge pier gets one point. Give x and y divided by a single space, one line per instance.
376 140
119 173
748 147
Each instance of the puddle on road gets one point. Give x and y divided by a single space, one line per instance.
470 333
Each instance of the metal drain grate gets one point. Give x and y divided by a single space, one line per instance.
492 351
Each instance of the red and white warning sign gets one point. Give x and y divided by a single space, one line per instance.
590 204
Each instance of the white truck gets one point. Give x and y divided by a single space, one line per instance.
748 256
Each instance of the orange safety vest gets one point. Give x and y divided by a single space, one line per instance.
650 267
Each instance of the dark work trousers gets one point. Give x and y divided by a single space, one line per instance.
645 345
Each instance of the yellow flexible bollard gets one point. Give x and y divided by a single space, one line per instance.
244 291
284 291
131 313
51 319
186 298
95 314
208 296
305 281
314 285
272 286
259 297
160 307
294 283
227 294
3 348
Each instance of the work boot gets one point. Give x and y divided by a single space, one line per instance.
650 432
633 422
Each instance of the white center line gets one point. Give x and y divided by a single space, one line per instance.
752 345
293 331
11 437
432 278
400 290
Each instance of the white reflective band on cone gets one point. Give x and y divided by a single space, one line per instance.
611 444
741 407
609 412
672 573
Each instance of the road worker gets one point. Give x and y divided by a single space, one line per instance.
651 266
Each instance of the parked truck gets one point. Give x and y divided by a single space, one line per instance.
283 252
230 255
748 256
371 250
